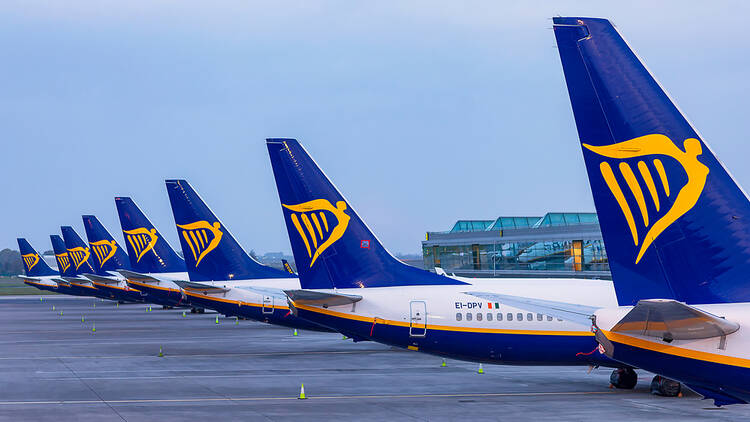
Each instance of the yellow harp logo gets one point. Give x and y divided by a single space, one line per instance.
62 261
104 249
79 255
141 240
683 201
313 217
202 238
30 260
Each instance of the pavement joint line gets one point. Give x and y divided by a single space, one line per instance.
341 397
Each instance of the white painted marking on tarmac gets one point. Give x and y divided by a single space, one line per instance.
353 397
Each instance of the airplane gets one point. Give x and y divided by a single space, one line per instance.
108 258
38 273
352 284
674 232
222 275
71 264
154 263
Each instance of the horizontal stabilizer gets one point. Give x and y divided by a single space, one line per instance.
60 280
672 320
264 291
207 288
76 280
580 314
23 277
312 297
101 279
134 276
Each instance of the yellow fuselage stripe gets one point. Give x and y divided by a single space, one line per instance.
442 327
677 351
112 286
236 302
151 286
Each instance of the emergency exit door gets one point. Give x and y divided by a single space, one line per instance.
418 321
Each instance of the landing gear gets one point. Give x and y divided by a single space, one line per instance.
167 307
665 387
624 378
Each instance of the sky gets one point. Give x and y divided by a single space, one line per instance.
421 112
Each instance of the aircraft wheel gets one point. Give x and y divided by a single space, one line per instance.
193 310
201 310
624 378
665 387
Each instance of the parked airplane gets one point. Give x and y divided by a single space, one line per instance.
71 264
108 257
222 275
352 284
154 264
675 233
38 273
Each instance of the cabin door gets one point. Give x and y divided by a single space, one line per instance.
418 321
267 304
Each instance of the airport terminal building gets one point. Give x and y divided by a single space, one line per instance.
554 245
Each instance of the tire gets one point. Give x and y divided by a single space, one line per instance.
666 387
624 378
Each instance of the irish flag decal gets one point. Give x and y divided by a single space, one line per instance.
495 305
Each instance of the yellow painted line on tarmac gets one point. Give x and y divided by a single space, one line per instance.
353 397
348 352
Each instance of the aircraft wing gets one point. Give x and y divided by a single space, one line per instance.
101 279
194 285
580 314
672 320
314 297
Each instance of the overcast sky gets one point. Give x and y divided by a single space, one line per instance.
422 113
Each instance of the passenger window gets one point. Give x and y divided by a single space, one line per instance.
499 316
529 317
479 316
519 316
549 318
468 316
539 317
510 316
459 316
489 316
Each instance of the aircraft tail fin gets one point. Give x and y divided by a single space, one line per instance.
33 263
211 252
64 264
79 252
333 248
108 255
148 250
674 222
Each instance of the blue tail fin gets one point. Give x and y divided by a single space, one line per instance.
674 222
78 252
33 263
149 251
211 253
332 246
64 263
108 255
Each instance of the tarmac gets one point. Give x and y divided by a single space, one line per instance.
54 366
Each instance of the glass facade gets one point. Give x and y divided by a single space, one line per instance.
556 242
